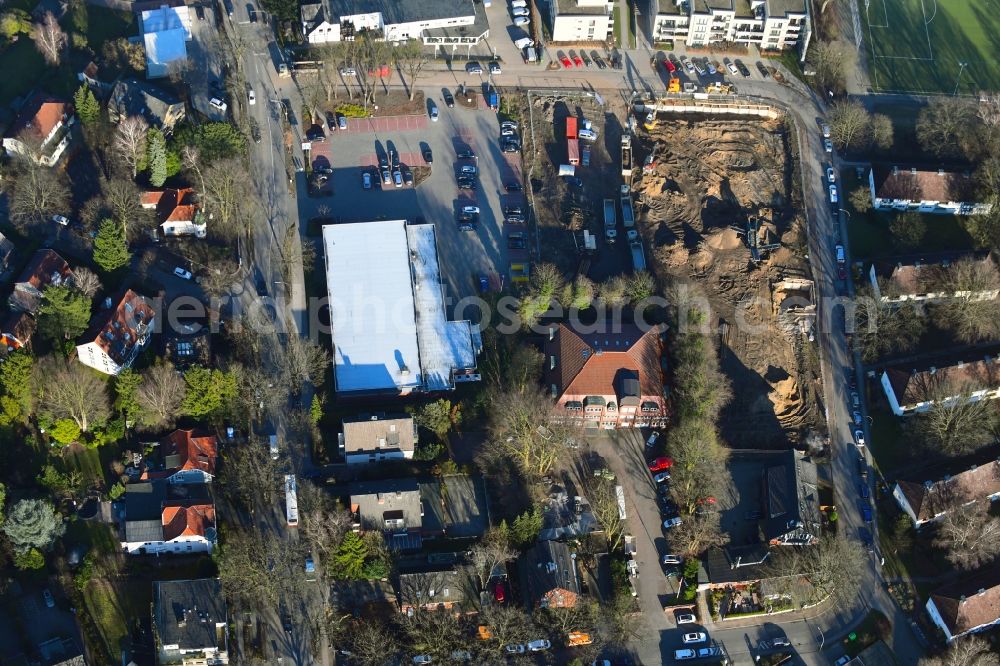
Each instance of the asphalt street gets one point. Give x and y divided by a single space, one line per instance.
464 255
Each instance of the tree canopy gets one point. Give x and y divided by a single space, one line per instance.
64 313
111 247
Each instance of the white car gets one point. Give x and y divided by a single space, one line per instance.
521 20
661 477
59 219
469 169
520 11
470 210
348 71
671 522
831 175
694 637
518 3
217 103
252 97
181 273
397 178
686 618
514 649
859 437
422 659
587 135
508 124
828 145
683 655
833 194
672 559
539 646
434 112
652 438
731 67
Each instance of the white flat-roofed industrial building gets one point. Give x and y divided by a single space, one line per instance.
390 331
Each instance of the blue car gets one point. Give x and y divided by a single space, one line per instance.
864 490
484 284
866 511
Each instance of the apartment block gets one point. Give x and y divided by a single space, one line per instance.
581 20
771 25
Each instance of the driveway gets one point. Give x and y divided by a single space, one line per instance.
464 255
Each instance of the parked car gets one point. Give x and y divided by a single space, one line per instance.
831 175
473 68
470 210
466 154
661 464
859 437
517 240
762 68
408 177
251 97
863 467
348 71
686 618
495 68
218 104
539 645
685 654
514 648
730 66
466 183
833 194
866 511
434 112
49 600
828 145
652 438
428 156
521 21
520 11
468 169
60 220
199 12
449 99
672 559
863 488
499 592
711 66
422 659
780 641
577 60
671 522
566 62
512 187
669 65
397 178
514 218
386 177
661 477
858 420
342 122
366 180
744 70
315 134
694 637
181 273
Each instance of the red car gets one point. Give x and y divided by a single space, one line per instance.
577 60
669 64
499 593
566 62
661 464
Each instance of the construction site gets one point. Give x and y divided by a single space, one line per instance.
717 207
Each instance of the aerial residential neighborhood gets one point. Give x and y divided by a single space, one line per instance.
582 332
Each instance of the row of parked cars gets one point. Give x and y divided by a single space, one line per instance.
706 67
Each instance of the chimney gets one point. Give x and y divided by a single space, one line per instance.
940 172
895 171
928 484
933 370
913 171
982 591
961 599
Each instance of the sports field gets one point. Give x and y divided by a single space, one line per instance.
921 45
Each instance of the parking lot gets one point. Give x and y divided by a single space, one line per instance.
465 255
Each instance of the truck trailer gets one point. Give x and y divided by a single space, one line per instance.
610 220
638 257
572 143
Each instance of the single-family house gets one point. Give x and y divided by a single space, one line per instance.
925 190
185 457
968 605
393 507
117 333
132 97
190 622
371 438
453 23
911 390
42 129
606 379
188 342
453 589
46 268
161 517
16 332
934 278
550 575
177 212
790 514
928 501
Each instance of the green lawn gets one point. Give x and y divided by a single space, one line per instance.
918 46
88 463
616 17
871 238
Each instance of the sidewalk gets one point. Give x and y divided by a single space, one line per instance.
756 620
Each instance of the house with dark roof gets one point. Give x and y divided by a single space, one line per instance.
177 212
444 21
371 438
41 130
132 97
912 390
550 576
393 507
161 517
187 342
117 334
45 268
184 457
929 278
968 605
606 380
6 256
899 188
189 622
454 589
928 501
16 331
366 599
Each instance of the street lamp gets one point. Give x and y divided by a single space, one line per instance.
846 212
961 68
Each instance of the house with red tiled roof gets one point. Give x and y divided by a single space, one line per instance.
899 188
932 278
41 129
550 577
930 500
606 379
117 334
184 458
968 605
177 212
910 391
161 517
16 331
46 268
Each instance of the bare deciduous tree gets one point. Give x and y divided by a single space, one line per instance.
971 311
125 202
130 141
523 429
252 478
227 196
850 124
946 127
49 38
831 61
882 328
882 130
494 549
86 281
604 505
412 59
70 390
966 651
831 566
969 535
38 193
697 533
305 361
160 395
372 643
323 529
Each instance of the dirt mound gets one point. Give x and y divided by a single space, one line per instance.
727 239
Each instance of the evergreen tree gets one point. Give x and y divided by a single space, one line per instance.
157 157
87 108
110 247
63 315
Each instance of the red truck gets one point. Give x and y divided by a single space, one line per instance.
572 144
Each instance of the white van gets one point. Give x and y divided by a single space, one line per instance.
514 4
272 445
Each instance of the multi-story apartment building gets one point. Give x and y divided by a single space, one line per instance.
771 25
581 20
